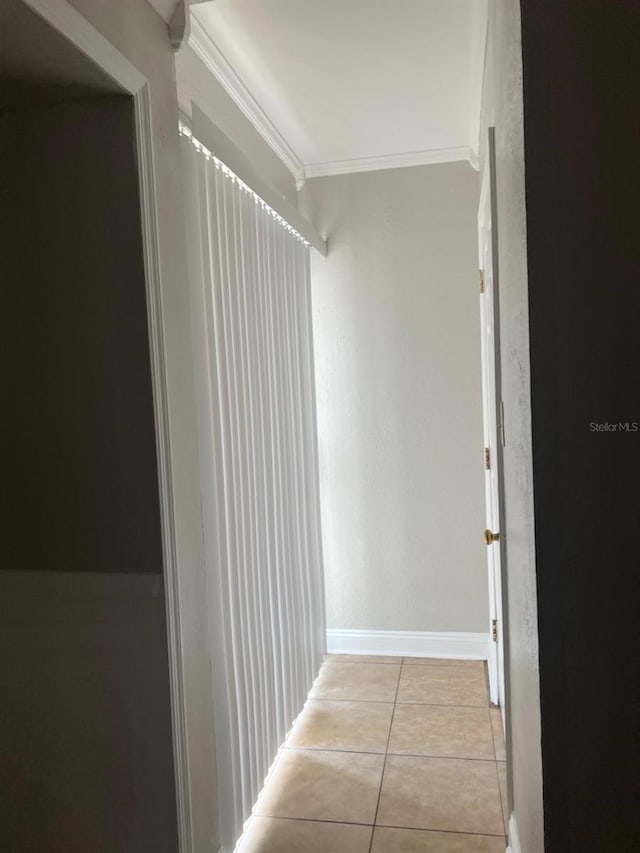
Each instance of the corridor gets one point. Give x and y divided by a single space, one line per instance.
390 755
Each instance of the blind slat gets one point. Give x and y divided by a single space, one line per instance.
249 280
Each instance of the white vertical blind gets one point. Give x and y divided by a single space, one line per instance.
253 349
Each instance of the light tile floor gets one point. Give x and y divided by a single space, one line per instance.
390 755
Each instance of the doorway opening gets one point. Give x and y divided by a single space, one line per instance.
398 376
87 725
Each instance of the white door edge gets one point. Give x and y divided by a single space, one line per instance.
490 433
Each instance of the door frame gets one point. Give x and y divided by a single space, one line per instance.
490 427
66 20
488 207
489 185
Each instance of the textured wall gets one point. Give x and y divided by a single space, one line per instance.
580 67
502 107
397 347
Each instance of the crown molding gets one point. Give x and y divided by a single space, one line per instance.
211 55
166 8
387 161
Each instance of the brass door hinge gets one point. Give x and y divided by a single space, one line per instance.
494 630
481 274
487 459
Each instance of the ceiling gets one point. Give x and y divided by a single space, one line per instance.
348 85
38 66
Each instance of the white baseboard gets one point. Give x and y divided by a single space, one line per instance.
514 838
463 646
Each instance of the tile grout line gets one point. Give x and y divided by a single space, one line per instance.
440 704
384 763
395 705
495 756
403 661
371 662
395 754
502 803
502 809
495 752
391 702
384 826
487 706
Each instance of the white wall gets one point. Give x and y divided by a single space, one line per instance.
502 107
397 348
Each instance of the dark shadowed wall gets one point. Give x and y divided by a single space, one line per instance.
80 485
581 67
86 758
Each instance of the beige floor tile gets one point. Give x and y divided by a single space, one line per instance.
363 658
443 685
442 730
498 734
368 682
357 726
316 785
502 781
272 835
468 664
441 793
387 840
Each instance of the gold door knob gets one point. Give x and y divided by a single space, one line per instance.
490 537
